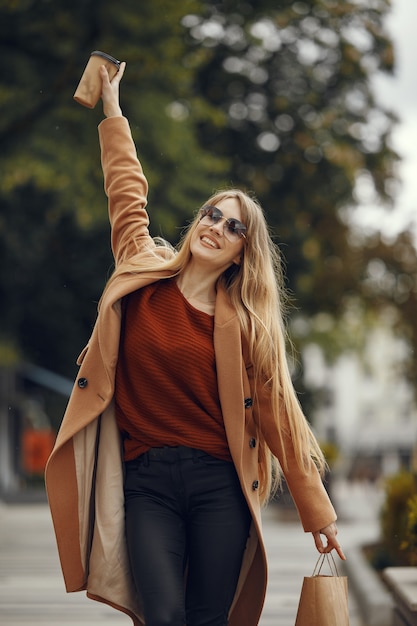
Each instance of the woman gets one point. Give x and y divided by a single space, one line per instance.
181 412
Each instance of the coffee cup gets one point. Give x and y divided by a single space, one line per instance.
88 91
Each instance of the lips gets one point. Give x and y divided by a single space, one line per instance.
209 241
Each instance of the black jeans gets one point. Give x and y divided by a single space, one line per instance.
185 512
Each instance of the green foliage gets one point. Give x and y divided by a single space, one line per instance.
51 142
294 81
389 269
54 240
410 543
398 527
49 289
330 451
272 97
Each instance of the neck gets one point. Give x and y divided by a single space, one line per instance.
197 286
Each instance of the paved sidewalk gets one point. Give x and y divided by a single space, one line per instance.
292 554
32 591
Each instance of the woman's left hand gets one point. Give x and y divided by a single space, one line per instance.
110 91
330 533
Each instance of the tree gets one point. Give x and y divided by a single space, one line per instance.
302 124
389 281
49 290
43 129
276 99
53 220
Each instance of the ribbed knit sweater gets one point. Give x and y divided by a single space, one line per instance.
166 384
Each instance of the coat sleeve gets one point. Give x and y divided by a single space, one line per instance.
126 188
306 486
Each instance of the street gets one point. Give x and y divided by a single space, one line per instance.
32 591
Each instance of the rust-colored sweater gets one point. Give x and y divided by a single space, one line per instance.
166 383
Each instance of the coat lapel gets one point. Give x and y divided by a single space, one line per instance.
109 319
228 353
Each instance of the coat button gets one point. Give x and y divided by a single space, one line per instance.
255 485
248 403
82 383
252 442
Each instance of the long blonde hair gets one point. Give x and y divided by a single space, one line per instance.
256 290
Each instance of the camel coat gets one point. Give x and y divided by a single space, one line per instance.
84 475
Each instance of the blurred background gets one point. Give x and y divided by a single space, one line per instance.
309 104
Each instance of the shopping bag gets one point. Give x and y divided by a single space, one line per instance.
324 598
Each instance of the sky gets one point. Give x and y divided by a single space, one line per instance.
399 93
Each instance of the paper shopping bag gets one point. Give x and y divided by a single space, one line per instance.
323 599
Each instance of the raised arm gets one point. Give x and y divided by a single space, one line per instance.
124 181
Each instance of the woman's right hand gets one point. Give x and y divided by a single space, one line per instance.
110 91
330 533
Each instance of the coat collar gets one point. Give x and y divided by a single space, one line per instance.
129 282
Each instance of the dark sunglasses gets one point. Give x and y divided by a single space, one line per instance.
233 229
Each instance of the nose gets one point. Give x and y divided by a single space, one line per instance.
218 227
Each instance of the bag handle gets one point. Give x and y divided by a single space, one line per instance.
327 556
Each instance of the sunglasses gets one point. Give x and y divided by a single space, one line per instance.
232 228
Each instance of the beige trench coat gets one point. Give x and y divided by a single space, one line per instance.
84 475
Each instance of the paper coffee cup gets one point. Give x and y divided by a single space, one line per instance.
88 91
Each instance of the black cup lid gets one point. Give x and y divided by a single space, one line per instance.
99 53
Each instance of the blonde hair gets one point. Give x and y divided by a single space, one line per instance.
256 290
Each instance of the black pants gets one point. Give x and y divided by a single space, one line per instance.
185 511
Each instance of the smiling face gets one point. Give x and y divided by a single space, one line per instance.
210 245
